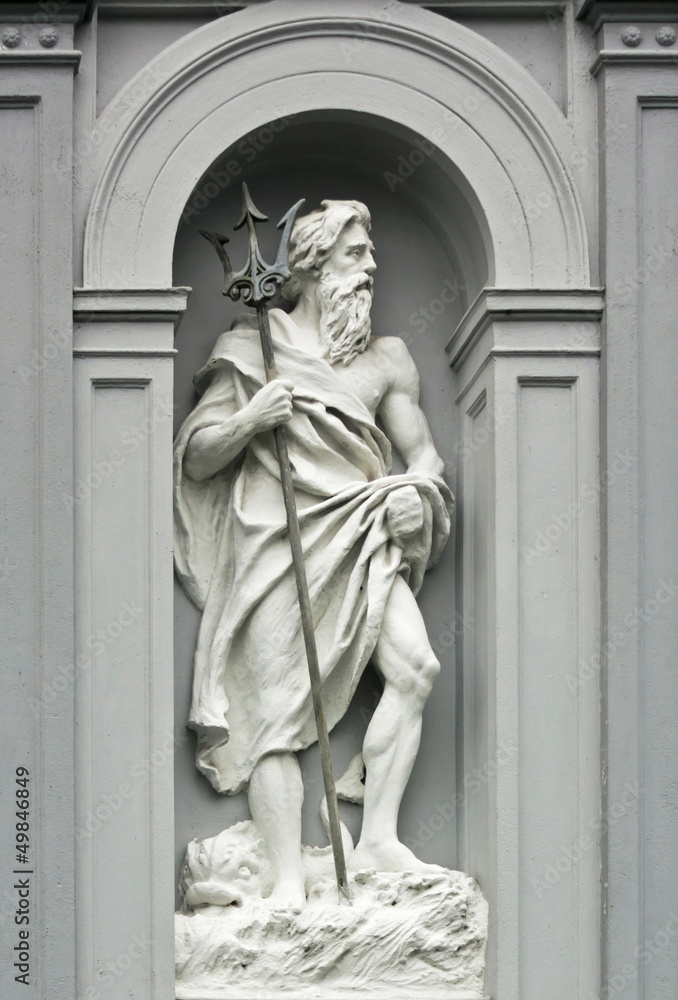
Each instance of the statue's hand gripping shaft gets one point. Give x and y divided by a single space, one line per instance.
255 284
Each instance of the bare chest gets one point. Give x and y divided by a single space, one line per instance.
367 377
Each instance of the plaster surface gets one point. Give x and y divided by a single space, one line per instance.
613 140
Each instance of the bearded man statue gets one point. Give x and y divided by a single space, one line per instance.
368 538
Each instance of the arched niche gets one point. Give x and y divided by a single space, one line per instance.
430 76
393 74
433 258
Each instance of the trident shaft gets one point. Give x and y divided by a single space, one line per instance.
255 284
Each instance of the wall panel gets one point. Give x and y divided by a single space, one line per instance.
36 539
125 741
548 629
658 583
638 92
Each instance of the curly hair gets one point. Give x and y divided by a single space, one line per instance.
314 237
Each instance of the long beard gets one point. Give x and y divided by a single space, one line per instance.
344 316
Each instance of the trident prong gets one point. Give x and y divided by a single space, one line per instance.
219 241
249 210
256 283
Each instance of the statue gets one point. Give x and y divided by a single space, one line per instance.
367 539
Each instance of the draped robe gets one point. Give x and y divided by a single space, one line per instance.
251 689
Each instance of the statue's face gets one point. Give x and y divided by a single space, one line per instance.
343 293
352 255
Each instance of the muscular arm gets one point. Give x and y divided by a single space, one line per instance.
403 418
214 447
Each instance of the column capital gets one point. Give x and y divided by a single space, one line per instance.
43 12
39 34
116 322
40 59
600 12
101 304
557 307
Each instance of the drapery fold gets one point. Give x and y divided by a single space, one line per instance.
251 691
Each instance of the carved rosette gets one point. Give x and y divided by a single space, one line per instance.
11 38
666 35
632 36
48 37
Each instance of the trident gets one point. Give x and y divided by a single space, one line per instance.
255 284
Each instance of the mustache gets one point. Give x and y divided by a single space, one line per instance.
360 282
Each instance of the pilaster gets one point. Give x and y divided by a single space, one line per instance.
637 73
527 373
124 816
37 63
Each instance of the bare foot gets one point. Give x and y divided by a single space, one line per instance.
390 857
288 895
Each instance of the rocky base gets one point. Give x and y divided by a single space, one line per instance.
405 935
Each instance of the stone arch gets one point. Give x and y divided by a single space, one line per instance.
494 127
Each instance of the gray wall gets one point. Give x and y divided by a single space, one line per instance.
637 107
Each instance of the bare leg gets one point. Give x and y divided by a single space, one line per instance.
276 794
408 666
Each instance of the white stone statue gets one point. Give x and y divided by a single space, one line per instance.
368 539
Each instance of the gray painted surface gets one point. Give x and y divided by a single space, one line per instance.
124 740
36 536
538 43
638 102
658 470
638 522
123 48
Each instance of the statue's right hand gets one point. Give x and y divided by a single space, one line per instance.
272 405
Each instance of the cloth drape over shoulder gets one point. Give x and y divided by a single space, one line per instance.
251 690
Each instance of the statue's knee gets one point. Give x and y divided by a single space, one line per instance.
429 670
420 677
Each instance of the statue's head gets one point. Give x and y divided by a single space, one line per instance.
331 259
